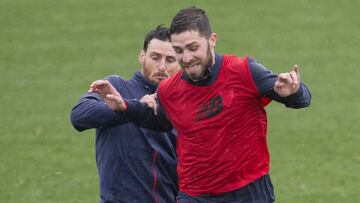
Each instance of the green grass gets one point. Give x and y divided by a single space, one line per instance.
50 51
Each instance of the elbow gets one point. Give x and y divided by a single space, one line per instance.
307 102
300 105
75 120
304 102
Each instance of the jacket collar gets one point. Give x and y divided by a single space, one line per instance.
144 83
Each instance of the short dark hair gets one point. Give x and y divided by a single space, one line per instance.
160 32
191 18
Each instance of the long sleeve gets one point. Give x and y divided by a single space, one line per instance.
265 80
92 112
144 116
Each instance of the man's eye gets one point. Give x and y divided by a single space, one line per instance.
179 51
171 60
193 48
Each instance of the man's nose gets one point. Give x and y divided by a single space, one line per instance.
162 65
187 57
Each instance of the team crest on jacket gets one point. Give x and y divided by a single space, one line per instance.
209 108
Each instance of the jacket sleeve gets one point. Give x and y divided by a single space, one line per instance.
144 116
92 112
264 81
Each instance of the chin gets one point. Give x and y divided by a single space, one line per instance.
196 76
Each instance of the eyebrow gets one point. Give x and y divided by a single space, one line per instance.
191 44
159 54
186 46
154 52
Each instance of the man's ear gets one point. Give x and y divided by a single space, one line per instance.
142 57
212 40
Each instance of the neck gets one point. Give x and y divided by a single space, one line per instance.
213 57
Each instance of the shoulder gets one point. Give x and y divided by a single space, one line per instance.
256 68
233 60
117 81
171 83
114 78
234 63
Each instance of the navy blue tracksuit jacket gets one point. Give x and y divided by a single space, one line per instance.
134 164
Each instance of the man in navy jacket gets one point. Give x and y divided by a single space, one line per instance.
134 164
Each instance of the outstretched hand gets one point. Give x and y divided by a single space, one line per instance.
110 95
288 83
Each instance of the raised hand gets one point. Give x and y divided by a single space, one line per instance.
288 83
110 95
103 87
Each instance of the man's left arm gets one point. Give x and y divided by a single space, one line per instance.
285 88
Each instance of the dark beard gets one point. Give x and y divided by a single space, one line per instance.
205 68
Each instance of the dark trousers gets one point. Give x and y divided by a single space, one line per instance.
259 191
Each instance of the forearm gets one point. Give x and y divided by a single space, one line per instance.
300 99
265 79
144 116
92 112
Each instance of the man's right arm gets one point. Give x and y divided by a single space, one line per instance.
92 112
146 117
135 110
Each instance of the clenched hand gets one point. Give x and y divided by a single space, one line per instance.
288 83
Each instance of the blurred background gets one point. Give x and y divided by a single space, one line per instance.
50 51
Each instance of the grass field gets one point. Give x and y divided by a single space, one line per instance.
50 51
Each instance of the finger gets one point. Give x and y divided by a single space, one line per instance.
114 98
295 80
155 108
100 83
93 89
120 104
95 83
107 87
279 84
92 84
297 71
283 77
101 93
145 98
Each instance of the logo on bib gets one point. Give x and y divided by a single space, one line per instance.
210 108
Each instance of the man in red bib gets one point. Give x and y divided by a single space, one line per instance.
216 104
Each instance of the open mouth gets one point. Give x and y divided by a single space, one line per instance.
192 68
